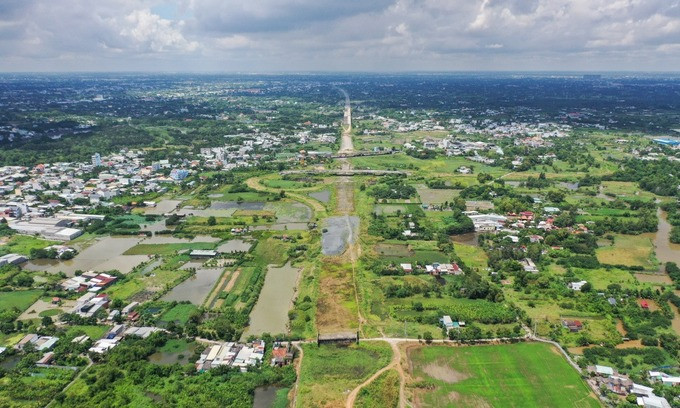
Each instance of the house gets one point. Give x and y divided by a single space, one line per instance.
406 267
282 354
576 286
664 378
653 402
604 370
574 326
203 253
529 265
446 322
45 359
644 304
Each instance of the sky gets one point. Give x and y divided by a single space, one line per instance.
339 35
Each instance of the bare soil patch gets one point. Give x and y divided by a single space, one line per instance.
444 373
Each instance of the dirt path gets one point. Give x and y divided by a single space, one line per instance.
210 301
232 281
396 364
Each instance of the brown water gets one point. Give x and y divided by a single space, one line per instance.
265 396
234 245
104 255
196 288
665 250
167 358
270 314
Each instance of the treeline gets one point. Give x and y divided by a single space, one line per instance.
393 188
661 177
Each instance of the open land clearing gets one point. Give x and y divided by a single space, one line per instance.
328 372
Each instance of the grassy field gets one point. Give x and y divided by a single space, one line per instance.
94 332
179 314
336 308
329 371
22 244
517 375
167 249
383 392
629 250
435 196
20 299
174 346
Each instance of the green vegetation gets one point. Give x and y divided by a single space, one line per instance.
523 374
179 314
382 392
328 371
18 299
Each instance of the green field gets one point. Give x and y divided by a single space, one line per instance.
22 244
179 314
167 249
517 375
329 371
93 332
20 299
629 250
383 392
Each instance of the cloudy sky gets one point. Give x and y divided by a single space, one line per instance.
339 35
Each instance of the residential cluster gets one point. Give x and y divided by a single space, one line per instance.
232 354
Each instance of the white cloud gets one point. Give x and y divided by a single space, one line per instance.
150 32
349 34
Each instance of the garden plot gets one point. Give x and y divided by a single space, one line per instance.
435 196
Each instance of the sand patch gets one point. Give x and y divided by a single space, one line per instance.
453 396
444 373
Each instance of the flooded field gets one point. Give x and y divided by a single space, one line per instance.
180 357
228 205
196 288
339 233
568 186
324 195
162 207
287 212
265 396
270 314
104 255
234 245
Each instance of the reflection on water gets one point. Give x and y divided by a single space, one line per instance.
196 288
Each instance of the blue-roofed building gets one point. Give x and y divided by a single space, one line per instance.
668 142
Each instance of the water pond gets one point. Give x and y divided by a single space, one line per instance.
196 288
270 314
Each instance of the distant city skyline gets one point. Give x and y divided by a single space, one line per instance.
331 35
